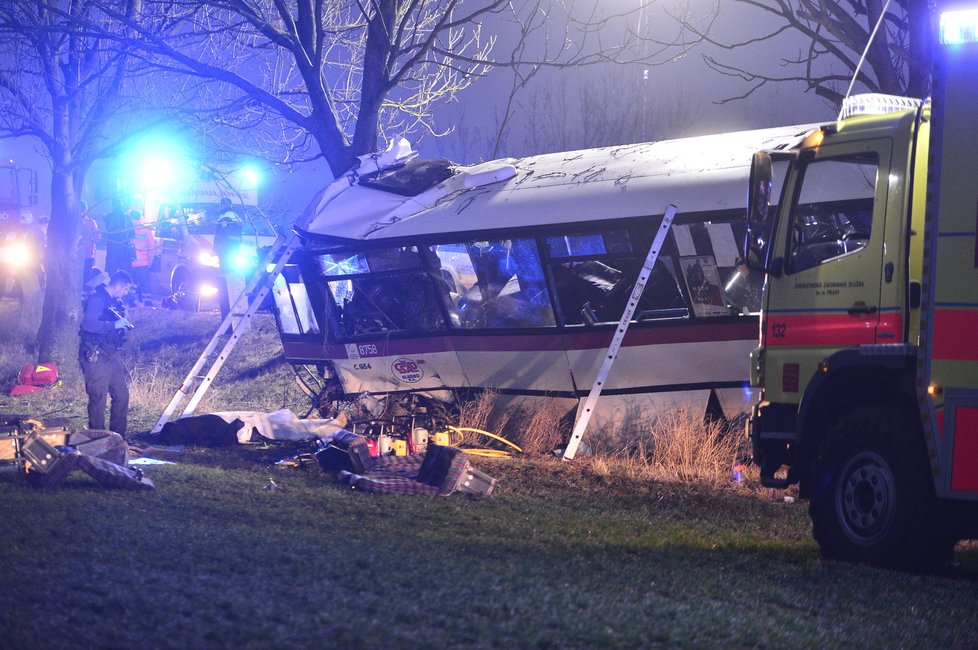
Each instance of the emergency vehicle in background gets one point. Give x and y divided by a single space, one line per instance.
868 355
182 211
190 235
420 279
21 240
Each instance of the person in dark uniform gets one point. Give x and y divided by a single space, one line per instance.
227 241
103 331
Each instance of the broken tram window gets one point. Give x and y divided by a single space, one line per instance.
594 274
495 284
381 290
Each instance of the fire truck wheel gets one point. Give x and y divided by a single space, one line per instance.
873 498
179 280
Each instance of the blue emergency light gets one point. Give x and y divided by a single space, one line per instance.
959 27
244 259
250 177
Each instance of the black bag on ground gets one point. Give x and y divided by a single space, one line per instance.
201 431
334 459
345 452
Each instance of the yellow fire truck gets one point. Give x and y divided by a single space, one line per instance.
868 354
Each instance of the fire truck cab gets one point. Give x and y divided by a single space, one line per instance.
866 363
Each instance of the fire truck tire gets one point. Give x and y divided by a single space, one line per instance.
873 499
180 280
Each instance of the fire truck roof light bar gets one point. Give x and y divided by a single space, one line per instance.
876 104
959 27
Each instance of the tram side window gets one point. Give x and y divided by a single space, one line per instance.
381 291
295 312
494 284
716 279
594 274
833 212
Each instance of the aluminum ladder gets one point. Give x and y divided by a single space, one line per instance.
626 318
212 359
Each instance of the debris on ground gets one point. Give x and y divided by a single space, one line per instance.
48 450
440 470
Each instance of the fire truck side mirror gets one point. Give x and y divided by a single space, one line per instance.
760 217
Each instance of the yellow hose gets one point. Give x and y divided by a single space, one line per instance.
487 453
486 433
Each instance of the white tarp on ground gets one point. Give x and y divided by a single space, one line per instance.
280 425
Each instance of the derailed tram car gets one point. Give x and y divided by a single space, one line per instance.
425 278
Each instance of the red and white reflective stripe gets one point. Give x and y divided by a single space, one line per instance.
832 329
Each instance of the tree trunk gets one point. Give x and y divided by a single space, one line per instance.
375 84
62 277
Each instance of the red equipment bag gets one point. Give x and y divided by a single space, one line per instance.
33 378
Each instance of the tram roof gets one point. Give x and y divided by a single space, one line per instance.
699 174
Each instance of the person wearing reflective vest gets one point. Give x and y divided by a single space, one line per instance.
145 249
103 332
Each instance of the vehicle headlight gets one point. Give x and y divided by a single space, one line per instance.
16 254
207 258
206 290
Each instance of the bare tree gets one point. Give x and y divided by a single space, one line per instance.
306 78
62 86
833 36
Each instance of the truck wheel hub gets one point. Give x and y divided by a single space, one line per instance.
866 498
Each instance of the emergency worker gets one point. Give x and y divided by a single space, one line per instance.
227 242
145 250
103 332
87 242
119 233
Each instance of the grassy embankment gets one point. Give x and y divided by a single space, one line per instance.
634 552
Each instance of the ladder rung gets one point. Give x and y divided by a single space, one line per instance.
214 359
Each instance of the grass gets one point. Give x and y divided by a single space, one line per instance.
560 557
603 552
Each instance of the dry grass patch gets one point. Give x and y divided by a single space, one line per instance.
537 425
685 448
679 446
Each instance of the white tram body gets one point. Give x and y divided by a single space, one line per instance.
426 277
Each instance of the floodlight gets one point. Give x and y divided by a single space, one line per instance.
959 27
